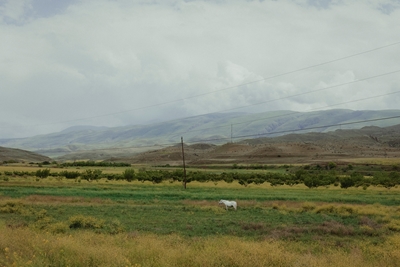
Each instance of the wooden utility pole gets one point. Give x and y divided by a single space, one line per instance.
184 167
231 133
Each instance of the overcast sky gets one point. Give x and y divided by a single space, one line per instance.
115 63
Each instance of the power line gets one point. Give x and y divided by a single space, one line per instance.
286 97
250 135
299 130
224 89
291 113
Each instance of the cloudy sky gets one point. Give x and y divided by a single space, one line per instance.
114 63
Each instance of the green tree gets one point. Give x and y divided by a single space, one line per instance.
311 181
42 173
347 182
129 174
91 175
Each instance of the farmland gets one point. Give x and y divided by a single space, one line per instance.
108 222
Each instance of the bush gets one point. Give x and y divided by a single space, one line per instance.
114 227
70 174
59 228
42 173
129 174
12 207
91 175
346 182
86 222
311 181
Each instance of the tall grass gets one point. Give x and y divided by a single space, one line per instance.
65 223
24 247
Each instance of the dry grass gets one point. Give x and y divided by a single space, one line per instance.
24 247
55 200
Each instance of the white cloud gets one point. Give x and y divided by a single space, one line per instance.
14 11
86 59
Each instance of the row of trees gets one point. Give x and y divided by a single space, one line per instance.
310 179
91 163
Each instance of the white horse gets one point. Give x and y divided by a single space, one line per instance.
228 204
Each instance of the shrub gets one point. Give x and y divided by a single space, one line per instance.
70 174
346 182
91 175
12 207
311 181
129 174
114 227
42 173
59 228
86 222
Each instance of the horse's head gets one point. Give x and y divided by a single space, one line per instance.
221 201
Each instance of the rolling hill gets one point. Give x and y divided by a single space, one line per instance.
18 155
340 145
101 142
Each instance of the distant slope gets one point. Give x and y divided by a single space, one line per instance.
219 128
11 154
339 145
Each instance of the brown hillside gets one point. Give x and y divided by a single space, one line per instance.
19 155
368 142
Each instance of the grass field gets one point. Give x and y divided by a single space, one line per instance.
60 222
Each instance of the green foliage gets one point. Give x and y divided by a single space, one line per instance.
346 182
91 175
85 222
355 179
42 173
21 173
10 161
311 181
58 228
385 179
350 167
331 165
70 174
91 163
12 207
114 227
129 174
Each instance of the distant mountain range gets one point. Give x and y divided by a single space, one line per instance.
219 128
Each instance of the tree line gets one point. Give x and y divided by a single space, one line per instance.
311 179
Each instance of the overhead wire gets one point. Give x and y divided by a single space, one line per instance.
300 94
268 101
281 98
291 113
224 89
254 104
249 135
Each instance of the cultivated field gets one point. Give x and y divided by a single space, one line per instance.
56 221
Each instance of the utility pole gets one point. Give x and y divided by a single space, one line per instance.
231 133
184 167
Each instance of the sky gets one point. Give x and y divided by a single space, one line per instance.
124 62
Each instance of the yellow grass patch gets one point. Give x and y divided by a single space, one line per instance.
24 247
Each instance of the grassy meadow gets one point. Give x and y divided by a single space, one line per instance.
71 222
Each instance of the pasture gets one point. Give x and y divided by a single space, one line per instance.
64 222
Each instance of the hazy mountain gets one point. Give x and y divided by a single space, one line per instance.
83 128
219 128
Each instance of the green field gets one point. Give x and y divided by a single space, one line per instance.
330 224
